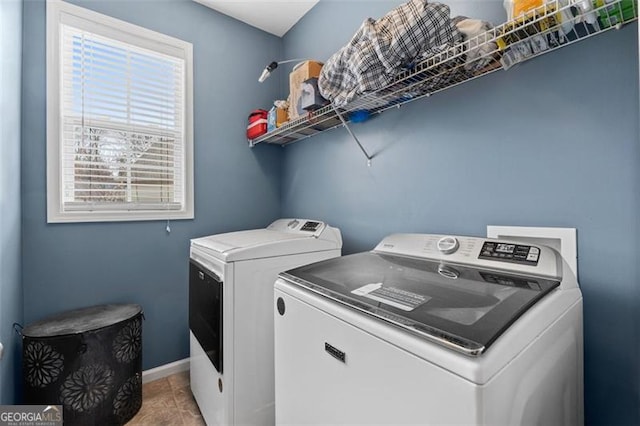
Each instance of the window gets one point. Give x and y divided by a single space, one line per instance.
119 120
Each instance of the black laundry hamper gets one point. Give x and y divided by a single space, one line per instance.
87 360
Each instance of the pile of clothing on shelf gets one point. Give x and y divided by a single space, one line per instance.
409 34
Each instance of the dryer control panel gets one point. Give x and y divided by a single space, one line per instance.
298 226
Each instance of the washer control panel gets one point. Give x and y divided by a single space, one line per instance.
508 252
504 255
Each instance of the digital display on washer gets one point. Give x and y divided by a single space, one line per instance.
510 252
466 311
505 248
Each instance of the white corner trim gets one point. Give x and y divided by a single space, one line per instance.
563 240
165 370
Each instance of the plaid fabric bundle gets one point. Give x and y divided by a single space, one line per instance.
383 48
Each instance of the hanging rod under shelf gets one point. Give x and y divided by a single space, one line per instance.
540 31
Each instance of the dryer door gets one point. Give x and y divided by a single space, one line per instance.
205 311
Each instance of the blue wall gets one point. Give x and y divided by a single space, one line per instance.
551 142
67 266
10 287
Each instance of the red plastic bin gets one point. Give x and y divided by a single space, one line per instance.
257 123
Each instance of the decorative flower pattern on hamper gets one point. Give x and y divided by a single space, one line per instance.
42 364
128 399
128 342
87 387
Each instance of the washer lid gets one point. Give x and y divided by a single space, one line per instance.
283 237
463 308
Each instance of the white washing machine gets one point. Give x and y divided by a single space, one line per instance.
231 280
431 330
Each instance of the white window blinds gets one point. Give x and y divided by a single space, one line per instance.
121 120
122 125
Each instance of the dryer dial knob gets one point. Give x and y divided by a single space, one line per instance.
448 245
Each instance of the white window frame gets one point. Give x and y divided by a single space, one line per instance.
58 13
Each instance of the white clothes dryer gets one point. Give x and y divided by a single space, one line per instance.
231 279
431 330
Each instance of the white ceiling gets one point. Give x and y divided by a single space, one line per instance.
273 16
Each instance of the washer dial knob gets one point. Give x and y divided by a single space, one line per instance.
448 245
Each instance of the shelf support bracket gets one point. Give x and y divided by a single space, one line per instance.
344 123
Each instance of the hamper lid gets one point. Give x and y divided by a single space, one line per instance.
81 320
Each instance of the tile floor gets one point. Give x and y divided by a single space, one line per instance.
168 402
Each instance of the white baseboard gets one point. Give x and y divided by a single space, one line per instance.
165 370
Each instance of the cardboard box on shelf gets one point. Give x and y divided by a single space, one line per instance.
300 73
277 117
282 116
